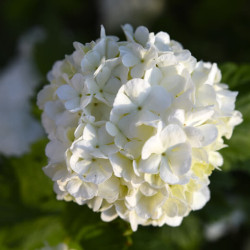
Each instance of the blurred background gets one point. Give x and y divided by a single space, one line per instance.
34 34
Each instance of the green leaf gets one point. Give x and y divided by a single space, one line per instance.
31 234
86 227
186 236
29 211
236 76
36 189
237 154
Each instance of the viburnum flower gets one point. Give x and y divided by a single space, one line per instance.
135 127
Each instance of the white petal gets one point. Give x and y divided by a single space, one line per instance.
147 190
153 76
147 205
73 186
99 172
73 104
199 115
90 133
81 167
178 117
170 207
162 40
111 129
209 132
122 104
90 61
215 159
87 190
206 95
103 136
109 149
78 82
226 100
166 173
152 145
145 117
154 180
133 148
194 135
184 101
127 125
66 92
149 55
103 76
77 188
92 86
174 84
97 153
124 50
122 167
200 198
95 203
163 36
109 215
172 135
150 165
166 59
56 171
180 158
133 220
200 154
137 90
45 95
129 60
109 189
173 221
120 164
142 35
158 100
112 86
84 101
132 198
128 30
111 49
120 140
138 70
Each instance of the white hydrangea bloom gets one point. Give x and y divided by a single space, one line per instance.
135 127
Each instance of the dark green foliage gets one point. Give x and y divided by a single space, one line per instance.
237 155
30 214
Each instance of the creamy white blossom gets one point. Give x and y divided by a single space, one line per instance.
135 127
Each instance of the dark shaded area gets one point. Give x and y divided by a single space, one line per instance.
212 30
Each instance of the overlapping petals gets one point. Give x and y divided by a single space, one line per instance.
135 127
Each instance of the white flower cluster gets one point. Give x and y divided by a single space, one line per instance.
135 127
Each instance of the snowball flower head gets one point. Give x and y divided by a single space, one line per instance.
135 127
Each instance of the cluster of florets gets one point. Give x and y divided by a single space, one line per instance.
135 127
